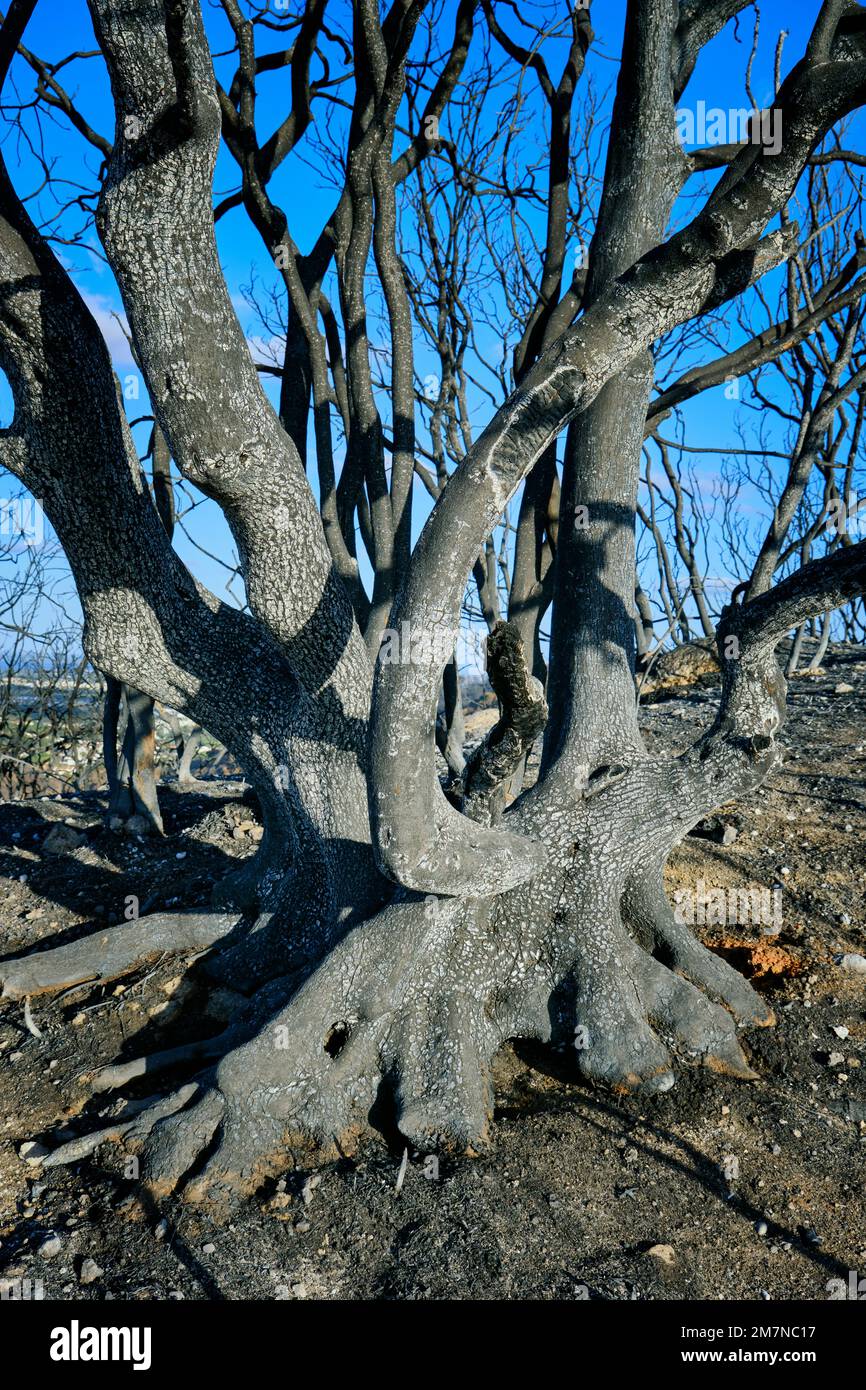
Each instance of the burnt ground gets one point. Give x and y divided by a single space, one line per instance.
757 1188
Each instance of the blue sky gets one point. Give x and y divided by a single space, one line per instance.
60 26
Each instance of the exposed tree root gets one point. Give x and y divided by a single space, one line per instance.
627 1001
411 1007
108 954
137 1120
119 1074
647 907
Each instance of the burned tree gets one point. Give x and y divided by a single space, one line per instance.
389 937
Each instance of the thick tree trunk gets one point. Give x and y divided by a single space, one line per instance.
593 634
145 616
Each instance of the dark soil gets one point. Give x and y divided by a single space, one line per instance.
757 1188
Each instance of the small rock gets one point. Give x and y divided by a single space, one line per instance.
761 1228
835 1059
160 1230
89 1271
208 1249
712 828
62 839
307 1192
664 1253
33 1152
256 833
840 1031
278 1202
843 688
138 826
50 1248
852 960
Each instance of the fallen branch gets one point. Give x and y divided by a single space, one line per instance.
106 955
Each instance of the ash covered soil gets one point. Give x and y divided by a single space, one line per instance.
715 1190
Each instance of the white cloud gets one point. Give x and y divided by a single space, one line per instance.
113 327
264 349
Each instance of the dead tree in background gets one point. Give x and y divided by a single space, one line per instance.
799 363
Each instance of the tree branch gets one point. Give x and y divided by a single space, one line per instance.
420 839
523 715
156 223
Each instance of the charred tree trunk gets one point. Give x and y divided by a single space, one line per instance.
129 717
